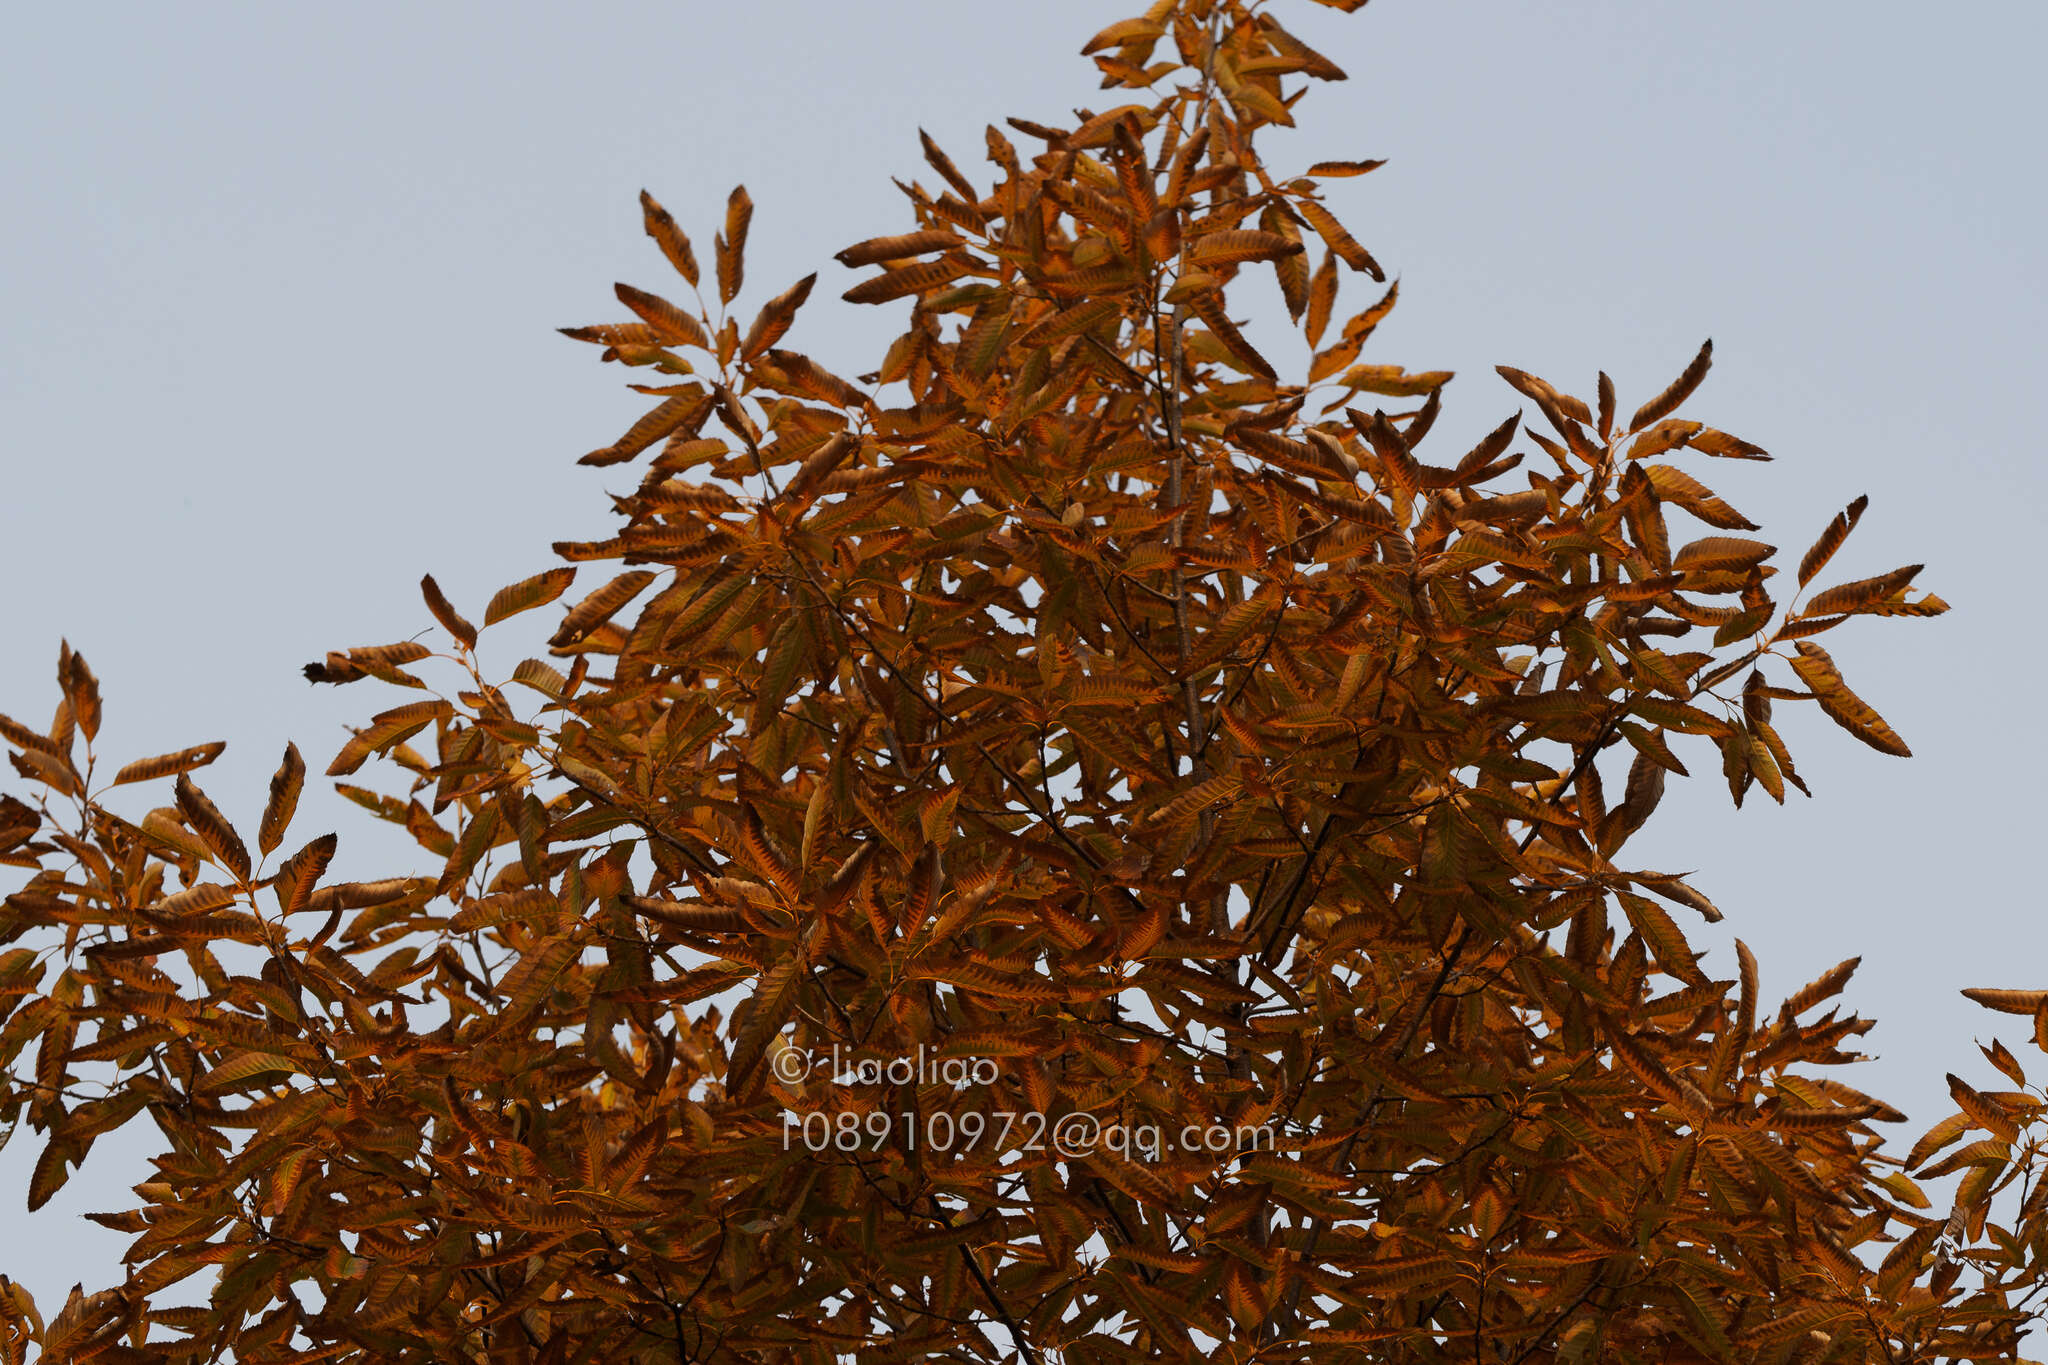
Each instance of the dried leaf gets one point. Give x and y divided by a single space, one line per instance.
528 593
170 765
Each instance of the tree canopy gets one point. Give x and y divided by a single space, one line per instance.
1084 844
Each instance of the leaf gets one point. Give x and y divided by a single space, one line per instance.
1984 1111
195 900
1652 745
731 246
231 1073
943 164
2000 1056
52 1169
671 324
915 279
302 872
1670 434
1676 486
285 786
450 619
594 610
1072 321
1334 169
1556 407
81 689
1816 668
1232 246
1993 1152
542 677
283 1179
775 317
674 245
1846 598
1904 1189
829 455
1322 297
1823 987
528 593
682 412
2008 1002
210 825
1831 540
769 1006
1721 552
1125 33
1720 443
24 738
1394 381
1208 306
1338 239
530 903
533 980
387 728
814 816
1663 936
169 765
1681 388
877 250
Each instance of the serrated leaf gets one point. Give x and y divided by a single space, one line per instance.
170 765
1339 239
1680 389
528 593
285 786
674 245
1816 668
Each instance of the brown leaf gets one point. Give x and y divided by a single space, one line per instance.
1680 389
672 326
1721 552
1330 169
878 250
210 825
1208 306
775 317
600 606
1816 668
450 619
730 247
1831 540
528 593
285 786
1338 239
674 245
169 765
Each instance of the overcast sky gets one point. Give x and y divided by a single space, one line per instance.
278 289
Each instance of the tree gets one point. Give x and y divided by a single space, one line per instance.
1067 863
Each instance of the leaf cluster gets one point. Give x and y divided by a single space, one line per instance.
1076 693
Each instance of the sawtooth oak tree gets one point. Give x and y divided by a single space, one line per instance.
1150 744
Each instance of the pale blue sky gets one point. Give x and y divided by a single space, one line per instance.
278 286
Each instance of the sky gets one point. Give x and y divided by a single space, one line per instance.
278 291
